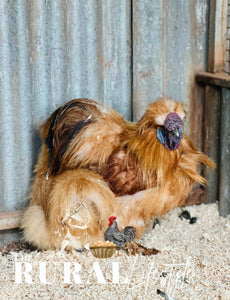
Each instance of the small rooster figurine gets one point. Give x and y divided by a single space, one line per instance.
94 164
119 238
125 239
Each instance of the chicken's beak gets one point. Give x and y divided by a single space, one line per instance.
176 132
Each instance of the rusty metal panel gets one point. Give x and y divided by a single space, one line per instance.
224 189
217 35
170 44
51 52
147 54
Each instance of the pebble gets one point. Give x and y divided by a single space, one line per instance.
185 215
156 222
194 220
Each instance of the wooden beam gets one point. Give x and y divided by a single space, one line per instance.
10 219
218 79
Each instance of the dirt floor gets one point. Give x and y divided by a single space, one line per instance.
193 263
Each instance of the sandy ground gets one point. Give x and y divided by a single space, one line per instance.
194 263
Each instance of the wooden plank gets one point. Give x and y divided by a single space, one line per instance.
217 35
218 79
224 195
212 139
11 219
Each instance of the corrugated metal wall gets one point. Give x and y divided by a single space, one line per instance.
51 52
170 46
123 53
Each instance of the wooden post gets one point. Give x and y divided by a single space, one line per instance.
217 139
216 63
224 194
212 139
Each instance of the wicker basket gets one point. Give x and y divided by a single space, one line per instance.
103 252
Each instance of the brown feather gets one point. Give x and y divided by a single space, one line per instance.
122 174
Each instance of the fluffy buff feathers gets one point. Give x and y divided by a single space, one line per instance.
94 164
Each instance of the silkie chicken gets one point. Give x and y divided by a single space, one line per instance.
119 238
94 164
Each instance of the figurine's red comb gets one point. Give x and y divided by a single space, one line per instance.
111 219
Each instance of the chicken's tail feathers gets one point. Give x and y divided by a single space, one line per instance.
193 155
203 158
187 166
190 158
194 176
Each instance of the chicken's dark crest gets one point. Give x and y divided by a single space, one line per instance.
170 134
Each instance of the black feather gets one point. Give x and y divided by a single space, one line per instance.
49 139
113 234
78 127
55 160
129 232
